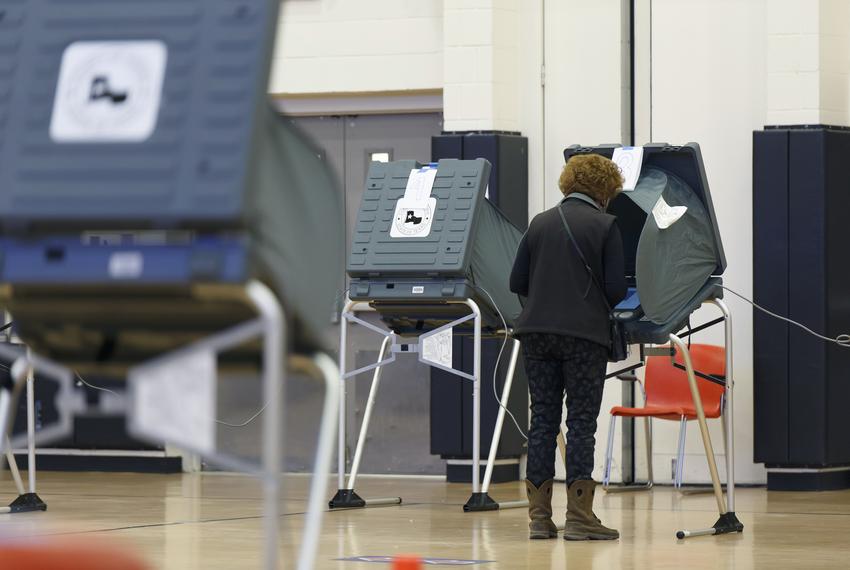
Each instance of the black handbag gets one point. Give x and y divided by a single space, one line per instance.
618 349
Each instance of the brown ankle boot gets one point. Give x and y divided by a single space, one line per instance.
540 510
581 523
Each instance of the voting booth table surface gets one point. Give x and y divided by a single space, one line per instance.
432 256
155 219
674 260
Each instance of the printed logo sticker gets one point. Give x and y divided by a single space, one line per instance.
413 218
108 91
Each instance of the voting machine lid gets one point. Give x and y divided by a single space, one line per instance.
130 112
671 241
427 235
683 162
425 231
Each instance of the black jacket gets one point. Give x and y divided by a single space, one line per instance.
562 299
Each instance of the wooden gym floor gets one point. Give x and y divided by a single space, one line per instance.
212 521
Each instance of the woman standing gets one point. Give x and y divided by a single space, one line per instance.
565 336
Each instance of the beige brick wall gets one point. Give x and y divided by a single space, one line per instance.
808 57
345 46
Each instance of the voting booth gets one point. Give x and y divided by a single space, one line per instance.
432 256
674 264
158 221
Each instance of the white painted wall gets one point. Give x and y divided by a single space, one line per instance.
530 121
583 80
713 92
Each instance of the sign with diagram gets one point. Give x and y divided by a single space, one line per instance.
437 348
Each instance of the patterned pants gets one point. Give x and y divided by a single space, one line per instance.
557 364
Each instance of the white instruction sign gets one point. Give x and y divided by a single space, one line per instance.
175 402
437 348
420 183
629 160
666 215
108 91
414 212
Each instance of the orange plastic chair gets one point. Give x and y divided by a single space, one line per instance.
667 396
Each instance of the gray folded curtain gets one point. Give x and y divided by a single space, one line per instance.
494 248
296 226
672 263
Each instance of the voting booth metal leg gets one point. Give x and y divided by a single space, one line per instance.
728 410
13 468
497 434
27 500
319 485
367 415
478 501
31 428
273 375
346 496
728 521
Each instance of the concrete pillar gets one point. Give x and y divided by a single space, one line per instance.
481 65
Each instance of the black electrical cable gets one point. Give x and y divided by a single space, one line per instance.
499 359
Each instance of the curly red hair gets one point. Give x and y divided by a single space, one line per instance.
591 174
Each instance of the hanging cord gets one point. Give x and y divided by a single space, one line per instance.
93 387
840 340
246 422
242 424
228 424
499 359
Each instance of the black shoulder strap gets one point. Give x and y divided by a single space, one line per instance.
583 260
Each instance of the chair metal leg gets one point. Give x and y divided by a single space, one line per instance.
647 426
680 455
609 453
562 446
725 444
606 483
